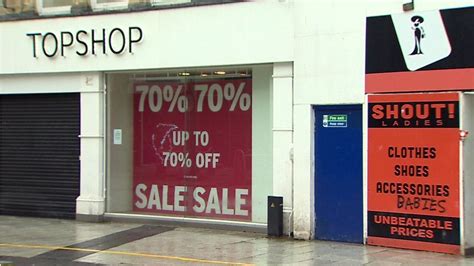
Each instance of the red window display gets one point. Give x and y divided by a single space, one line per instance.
192 148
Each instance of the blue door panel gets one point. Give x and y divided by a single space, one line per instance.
338 175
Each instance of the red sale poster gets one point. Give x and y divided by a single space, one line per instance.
413 171
193 148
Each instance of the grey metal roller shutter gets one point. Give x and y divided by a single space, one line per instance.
39 154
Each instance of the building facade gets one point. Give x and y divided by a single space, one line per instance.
195 112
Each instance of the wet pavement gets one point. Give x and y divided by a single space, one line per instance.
34 241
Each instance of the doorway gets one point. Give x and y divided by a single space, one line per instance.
338 173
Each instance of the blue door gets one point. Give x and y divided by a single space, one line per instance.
338 175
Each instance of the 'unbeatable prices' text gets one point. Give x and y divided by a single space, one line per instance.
413 226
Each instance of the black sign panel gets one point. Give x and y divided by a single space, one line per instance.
434 229
383 51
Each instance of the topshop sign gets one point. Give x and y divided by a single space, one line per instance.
85 42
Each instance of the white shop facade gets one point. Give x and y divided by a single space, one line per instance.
161 114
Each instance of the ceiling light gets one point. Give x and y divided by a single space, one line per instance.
219 72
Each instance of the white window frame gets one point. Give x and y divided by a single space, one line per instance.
57 10
108 6
168 2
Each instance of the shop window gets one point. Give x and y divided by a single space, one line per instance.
30 9
191 143
54 7
168 2
102 5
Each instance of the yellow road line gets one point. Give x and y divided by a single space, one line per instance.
125 253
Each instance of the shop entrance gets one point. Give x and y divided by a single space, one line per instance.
182 143
338 174
39 154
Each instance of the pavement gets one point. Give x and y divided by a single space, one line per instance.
38 241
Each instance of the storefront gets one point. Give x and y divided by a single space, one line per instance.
195 115
174 117
419 81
